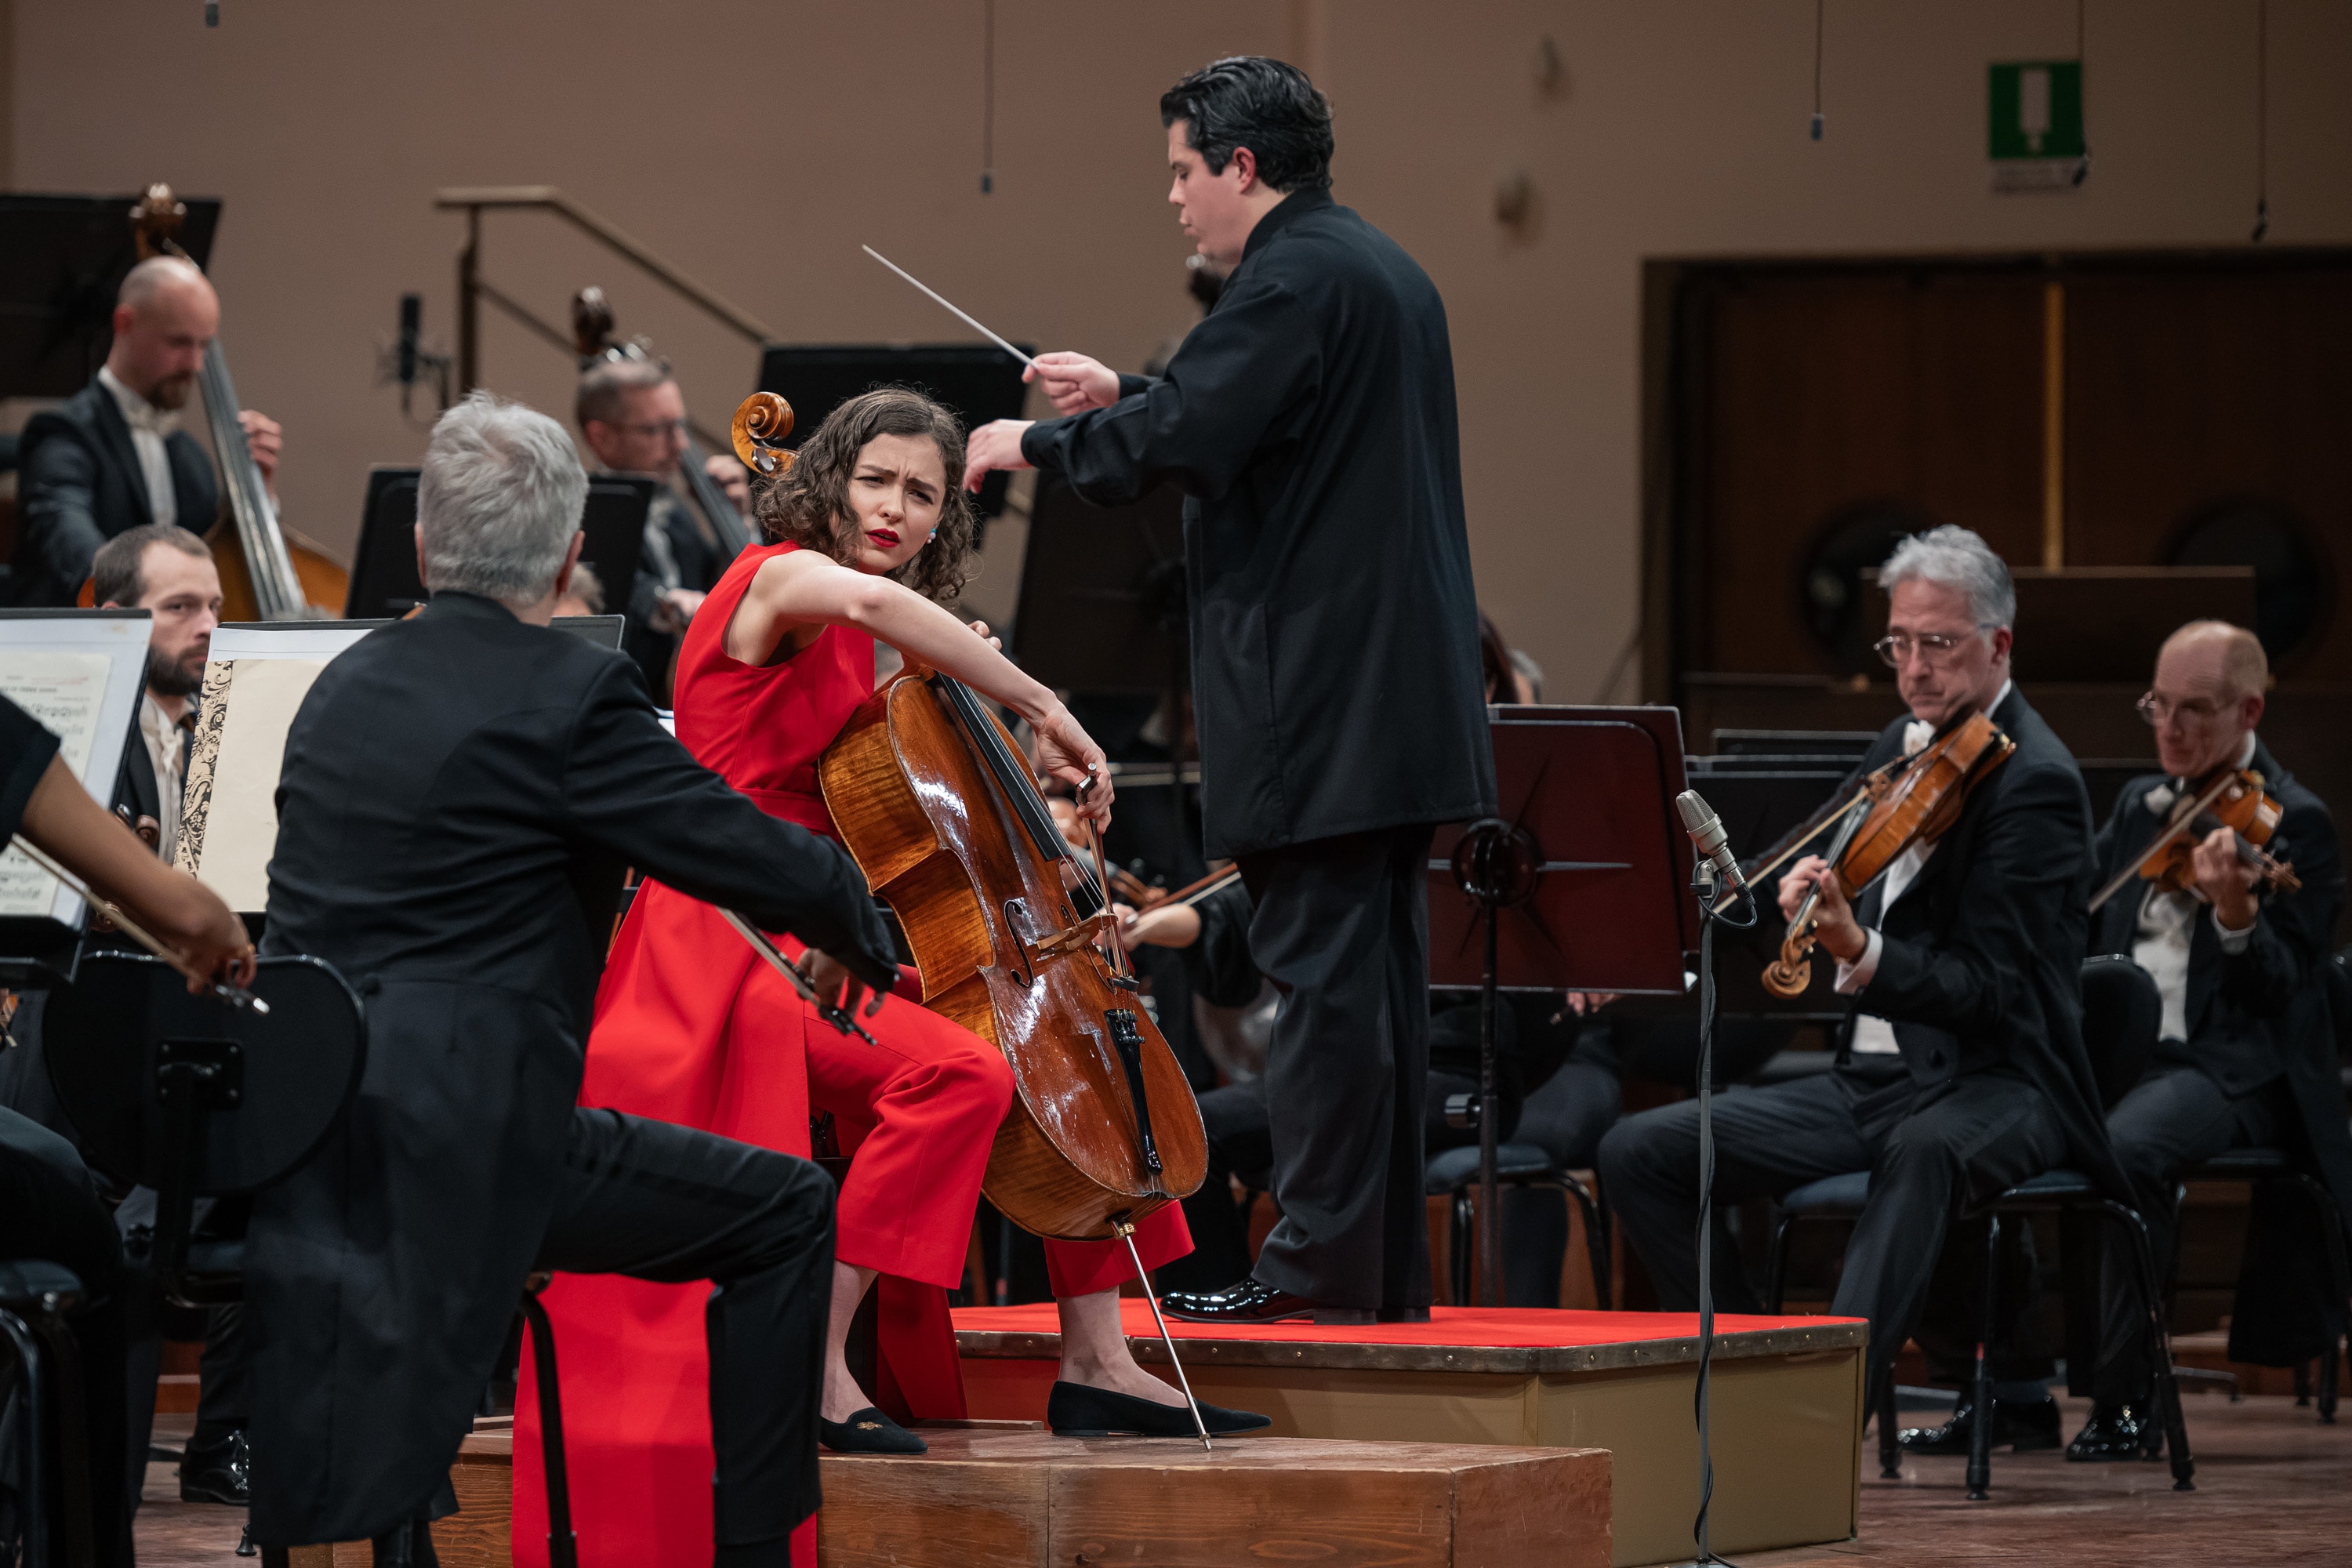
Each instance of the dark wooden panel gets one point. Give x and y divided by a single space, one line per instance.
2187 388
1819 394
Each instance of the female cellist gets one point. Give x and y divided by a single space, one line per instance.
868 533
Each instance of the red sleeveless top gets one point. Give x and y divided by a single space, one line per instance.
762 727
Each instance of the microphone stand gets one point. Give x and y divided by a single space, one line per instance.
1705 888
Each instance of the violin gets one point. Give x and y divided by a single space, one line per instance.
1913 800
267 573
2231 798
592 338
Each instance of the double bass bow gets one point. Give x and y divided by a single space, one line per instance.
265 575
1913 800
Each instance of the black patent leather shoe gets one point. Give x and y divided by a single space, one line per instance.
2118 1432
868 1431
1081 1410
216 1469
2021 1428
1253 1302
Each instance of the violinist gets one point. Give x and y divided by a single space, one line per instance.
2246 1054
111 457
1960 1067
868 532
1309 420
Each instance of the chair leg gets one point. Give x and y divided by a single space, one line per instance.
2330 1373
37 1446
2160 1343
1776 1283
1890 1450
1981 1392
73 1440
562 1545
2339 1275
1596 1236
1459 1245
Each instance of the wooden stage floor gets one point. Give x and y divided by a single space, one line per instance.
2274 1487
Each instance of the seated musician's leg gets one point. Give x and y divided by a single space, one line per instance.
1766 1141
2174 1117
673 1205
926 1103
1980 1135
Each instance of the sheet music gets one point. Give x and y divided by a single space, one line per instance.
64 691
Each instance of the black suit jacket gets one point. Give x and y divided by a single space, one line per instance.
2262 1012
460 796
80 485
1309 421
1979 969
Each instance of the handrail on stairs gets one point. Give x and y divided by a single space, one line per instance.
473 288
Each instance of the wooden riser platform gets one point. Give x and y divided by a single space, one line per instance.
1010 1495
1786 1406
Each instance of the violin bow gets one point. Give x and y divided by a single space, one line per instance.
234 995
831 1013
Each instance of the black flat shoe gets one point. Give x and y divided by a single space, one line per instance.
1252 1303
868 1431
1081 1410
215 1468
2118 1432
2021 1428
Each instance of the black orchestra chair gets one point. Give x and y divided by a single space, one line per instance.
199 1100
2122 1013
1454 1174
35 1299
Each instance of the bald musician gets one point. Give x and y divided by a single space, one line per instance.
2246 1054
113 458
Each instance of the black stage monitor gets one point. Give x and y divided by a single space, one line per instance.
979 381
61 260
385 583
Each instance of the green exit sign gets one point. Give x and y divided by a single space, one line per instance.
2035 109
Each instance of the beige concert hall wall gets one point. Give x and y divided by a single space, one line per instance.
758 142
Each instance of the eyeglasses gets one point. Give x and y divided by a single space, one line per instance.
1936 647
2162 711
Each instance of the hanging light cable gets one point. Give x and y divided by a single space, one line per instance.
1819 7
2261 121
2083 169
988 97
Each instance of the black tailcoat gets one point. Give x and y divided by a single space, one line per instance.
2258 1015
460 794
1309 421
80 485
1980 966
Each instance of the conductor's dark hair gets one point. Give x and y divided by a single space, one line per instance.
809 506
1264 105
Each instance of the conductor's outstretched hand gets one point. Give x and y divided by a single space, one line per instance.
1074 383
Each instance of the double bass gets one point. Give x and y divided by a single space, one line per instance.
592 339
1014 938
266 574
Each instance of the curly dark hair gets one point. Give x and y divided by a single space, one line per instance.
809 506
1264 105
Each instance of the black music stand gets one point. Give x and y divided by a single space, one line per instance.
61 260
1577 885
385 583
1101 608
979 381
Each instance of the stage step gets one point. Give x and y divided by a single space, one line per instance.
1008 1494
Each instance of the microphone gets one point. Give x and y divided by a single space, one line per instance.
412 312
1707 836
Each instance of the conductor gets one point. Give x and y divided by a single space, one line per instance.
460 796
1309 421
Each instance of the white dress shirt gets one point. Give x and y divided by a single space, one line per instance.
164 753
149 425
1873 1035
2167 921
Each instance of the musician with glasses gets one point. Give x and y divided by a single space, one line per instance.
2246 1054
113 458
1960 1069
633 417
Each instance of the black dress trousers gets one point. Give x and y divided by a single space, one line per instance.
1341 928
675 1205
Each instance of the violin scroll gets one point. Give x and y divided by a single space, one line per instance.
1788 975
761 422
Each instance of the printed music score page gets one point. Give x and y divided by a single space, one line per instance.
80 672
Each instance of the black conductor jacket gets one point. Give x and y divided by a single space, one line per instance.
1309 423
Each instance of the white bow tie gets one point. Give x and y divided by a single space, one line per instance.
145 415
1917 733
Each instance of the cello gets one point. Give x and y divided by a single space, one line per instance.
266 574
1014 938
